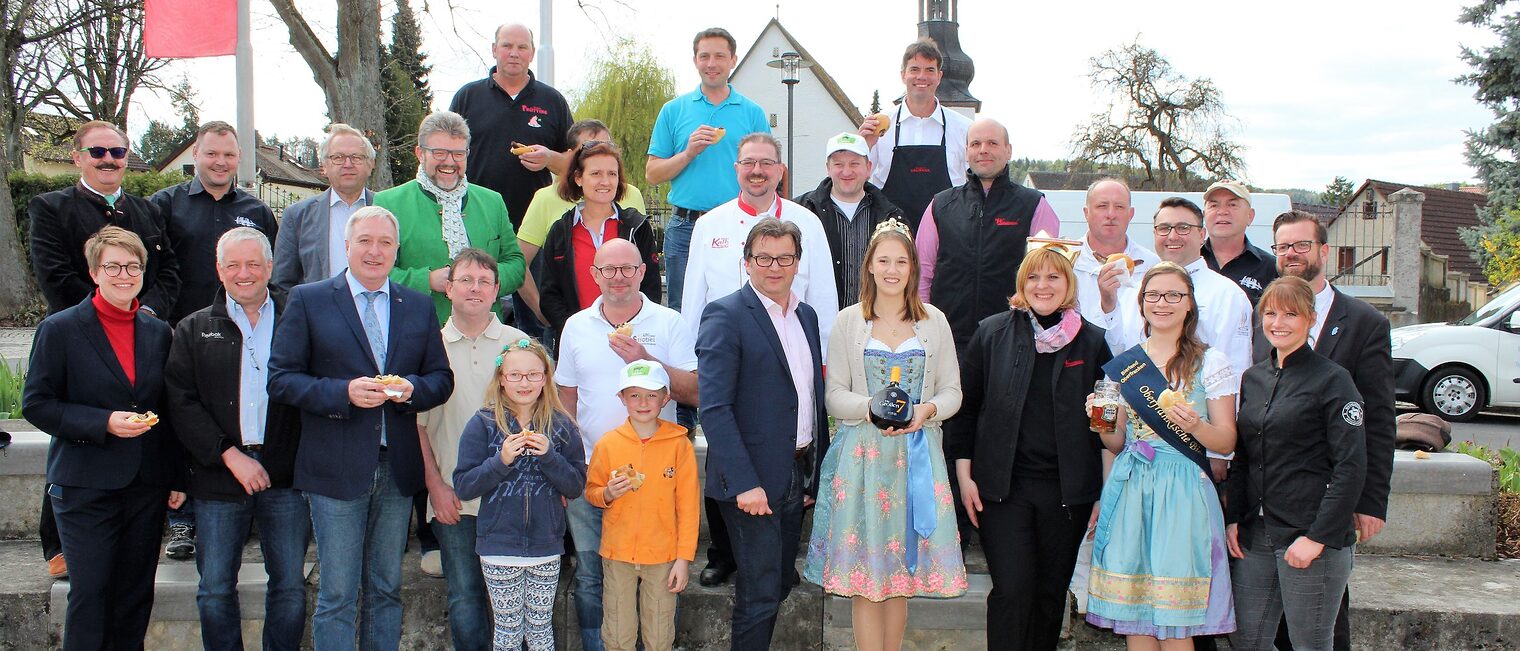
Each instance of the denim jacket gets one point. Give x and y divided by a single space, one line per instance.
521 513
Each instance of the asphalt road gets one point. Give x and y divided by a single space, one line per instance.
1501 429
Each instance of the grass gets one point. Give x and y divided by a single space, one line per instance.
10 389
1507 461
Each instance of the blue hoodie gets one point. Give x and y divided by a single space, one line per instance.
522 514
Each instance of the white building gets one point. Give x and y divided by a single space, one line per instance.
820 105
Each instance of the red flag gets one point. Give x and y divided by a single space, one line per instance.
179 29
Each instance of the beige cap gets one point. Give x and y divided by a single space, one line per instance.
1235 187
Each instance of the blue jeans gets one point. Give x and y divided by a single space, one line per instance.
677 244
765 568
375 523
469 606
585 523
284 523
185 514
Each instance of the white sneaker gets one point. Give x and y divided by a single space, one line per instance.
432 564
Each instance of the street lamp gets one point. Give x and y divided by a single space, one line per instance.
789 63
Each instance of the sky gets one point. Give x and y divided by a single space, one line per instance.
1315 90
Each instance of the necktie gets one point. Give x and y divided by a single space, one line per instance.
376 342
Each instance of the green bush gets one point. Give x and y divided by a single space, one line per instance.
11 383
1507 460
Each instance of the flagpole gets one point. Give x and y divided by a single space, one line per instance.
246 172
546 41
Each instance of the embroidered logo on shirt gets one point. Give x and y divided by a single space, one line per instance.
720 243
533 122
1072 363
244 221
534 109
1250 283
670 472
211 335
1352 412
1001 221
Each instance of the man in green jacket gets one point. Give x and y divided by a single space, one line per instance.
441 213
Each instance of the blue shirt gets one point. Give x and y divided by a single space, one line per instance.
382 305
709 179
337 221
253 397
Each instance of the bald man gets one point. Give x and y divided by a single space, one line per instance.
972 237
511 106
1108 211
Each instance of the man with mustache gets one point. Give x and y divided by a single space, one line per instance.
61 222
442 214
972 237
1227 212
1355 335
200 210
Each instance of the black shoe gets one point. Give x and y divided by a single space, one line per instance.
715 575
181 545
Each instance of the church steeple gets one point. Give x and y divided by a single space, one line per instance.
939 20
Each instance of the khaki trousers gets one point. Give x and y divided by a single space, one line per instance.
635 596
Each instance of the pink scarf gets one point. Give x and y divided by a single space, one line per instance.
1054 339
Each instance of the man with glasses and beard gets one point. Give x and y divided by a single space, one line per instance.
61 222
442 213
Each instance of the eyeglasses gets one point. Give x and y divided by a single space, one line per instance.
1182 229
766 163
467 281
1301 246
535 376
114 270
442 155
612 271
769 260
350 159
100 152
1171 297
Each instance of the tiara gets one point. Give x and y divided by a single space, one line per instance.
892 224
1067 248
520 344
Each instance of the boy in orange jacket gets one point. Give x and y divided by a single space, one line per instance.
644 473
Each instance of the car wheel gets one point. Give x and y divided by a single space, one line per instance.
1454 393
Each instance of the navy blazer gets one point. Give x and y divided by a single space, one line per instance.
75 382
300 250
749 405
319 347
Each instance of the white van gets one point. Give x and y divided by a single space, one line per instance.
1068 205
1454 370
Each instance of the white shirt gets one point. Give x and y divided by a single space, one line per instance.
588 363
799 360
1087 265
923 131
846 208
1224 317
715 264
1322 301
253 376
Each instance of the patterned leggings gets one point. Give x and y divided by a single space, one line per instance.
522 600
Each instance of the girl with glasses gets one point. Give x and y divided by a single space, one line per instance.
522 453
1160 572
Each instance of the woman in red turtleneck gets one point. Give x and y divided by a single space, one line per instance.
93 367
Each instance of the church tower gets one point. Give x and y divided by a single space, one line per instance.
939 20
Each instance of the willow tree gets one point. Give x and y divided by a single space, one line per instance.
626 88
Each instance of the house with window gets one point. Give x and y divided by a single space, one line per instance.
281 179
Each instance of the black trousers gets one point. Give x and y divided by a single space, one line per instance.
110 540
1031 541
47 530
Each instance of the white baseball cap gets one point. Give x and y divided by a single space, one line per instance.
846 141
644 375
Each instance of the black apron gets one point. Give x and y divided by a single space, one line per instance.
918 172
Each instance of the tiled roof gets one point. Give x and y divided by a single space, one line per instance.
1443 215
1324 212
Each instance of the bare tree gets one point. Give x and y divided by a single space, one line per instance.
103 65
27 30
349 75
1174 131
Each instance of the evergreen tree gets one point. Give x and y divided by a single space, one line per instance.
408 97
1492 150
162 138
1338 192
875 102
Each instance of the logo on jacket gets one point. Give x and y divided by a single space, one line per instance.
533 122
670 472
1003 221
1070 363
211 335
720 242
244 221
1352 413
1250 283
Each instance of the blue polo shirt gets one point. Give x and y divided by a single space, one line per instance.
708 180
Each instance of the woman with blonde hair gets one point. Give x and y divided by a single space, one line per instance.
885 527
1028 468
523 454
1159 570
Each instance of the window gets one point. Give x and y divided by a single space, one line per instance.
1346 259
1384 256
